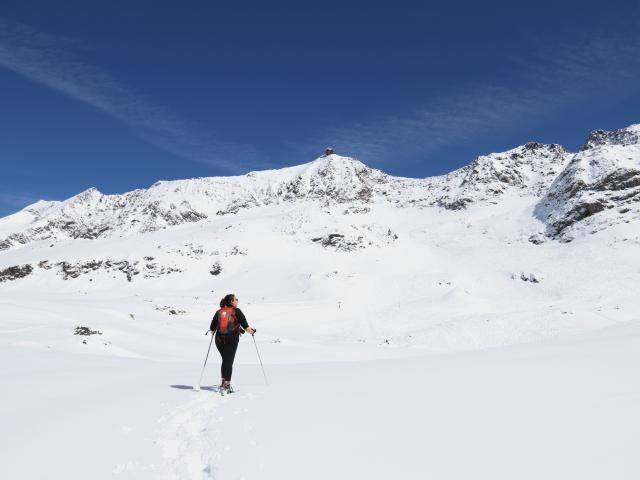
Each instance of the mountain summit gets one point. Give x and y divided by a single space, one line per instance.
600 187
565 187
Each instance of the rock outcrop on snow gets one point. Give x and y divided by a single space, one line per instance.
623 137
598 188
72 270
91 214
527 170
15 272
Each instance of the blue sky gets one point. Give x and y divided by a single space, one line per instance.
118 95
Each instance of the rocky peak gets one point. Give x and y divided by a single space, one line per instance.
625 136
598 188
515 167
75 206
528 169
334 178
88 195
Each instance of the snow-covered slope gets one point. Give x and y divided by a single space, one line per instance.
337 234
600 187
528 170
358 283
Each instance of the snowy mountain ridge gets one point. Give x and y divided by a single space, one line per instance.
623 137
533 169
529 169
600 186
91 214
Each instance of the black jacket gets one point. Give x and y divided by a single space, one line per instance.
242 320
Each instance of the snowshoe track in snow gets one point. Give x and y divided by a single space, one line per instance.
191 435
188 439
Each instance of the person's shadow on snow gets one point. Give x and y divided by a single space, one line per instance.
190 387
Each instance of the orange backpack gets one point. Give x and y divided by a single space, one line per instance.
227 322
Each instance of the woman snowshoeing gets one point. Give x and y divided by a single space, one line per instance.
228 323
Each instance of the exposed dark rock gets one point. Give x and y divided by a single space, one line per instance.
15 272
91 233
154 211
216 269
73 229
154 270
11 240
365 194
459 204
356 210
20 238
532 146
526 277
86 331
537 239
579 212
70 270
328 239
192 216
603 137
339 242
192 251
619 180
170 310
235 206
237 251
127 268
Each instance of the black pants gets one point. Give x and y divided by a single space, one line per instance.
227 346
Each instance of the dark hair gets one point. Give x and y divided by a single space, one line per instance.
227 300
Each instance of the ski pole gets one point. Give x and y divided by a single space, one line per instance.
262 366
205 362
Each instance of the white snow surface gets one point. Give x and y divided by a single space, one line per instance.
451 327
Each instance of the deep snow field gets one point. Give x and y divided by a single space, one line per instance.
565 409
448 347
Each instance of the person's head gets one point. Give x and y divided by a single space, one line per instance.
229 301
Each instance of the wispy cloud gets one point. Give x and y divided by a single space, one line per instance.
50 61
14 201
552 79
